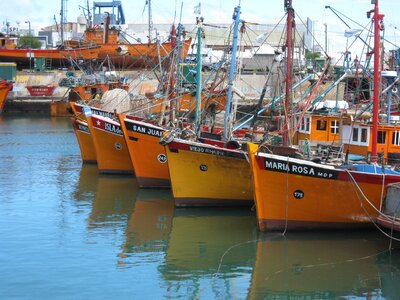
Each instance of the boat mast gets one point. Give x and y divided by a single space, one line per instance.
150 22
375 112
289 47
198 73
227 125
63 19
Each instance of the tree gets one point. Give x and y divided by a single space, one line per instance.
313 55
29 41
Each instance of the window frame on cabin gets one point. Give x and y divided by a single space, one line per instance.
321 125
381 135
305 124
364 138
396 138
355 137
334 127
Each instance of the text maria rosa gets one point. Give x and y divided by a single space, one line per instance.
300 169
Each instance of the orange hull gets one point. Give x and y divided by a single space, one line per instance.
56 55
147 155
5 88
110 146
298 194
138 55
85 141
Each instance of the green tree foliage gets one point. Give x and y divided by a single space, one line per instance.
313 55
29 41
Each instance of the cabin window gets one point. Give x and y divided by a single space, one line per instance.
355 135
321 125
305 125
334 126
364 135
396 138
381 137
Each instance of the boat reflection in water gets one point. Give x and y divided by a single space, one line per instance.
149 226
328 265
86 186
114 201
210 253
389 273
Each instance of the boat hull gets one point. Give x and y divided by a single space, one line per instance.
86 146
206 175
296 194
5 88
110 146
58 56
147 155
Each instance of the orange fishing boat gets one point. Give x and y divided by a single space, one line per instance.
147 155
292 193
126 55
109 143
58 56
298 194
96 43
82 131
5 88
210 172
208 175
85 141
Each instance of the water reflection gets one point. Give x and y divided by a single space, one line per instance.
85 190
113 202
149 226
210 253
318 266
203 253
389 273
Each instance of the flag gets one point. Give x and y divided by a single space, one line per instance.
197 9
352 32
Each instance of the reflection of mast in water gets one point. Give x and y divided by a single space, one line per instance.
114 201
149 225
389 273
210 252
329 265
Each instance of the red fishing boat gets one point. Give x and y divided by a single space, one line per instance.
41 90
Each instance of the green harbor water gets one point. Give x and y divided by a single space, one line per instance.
67 232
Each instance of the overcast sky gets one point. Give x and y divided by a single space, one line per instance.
41 13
